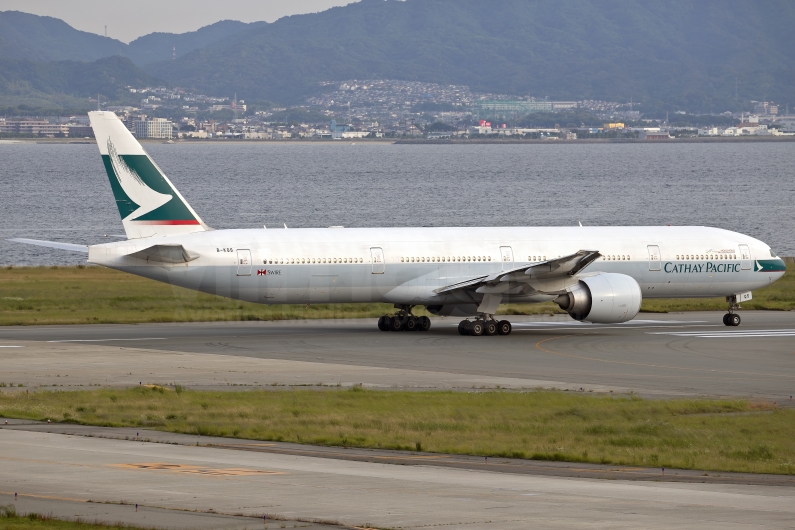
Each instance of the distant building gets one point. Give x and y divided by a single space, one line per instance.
613 126
654 135
766 108
80 131
239 106
34 127
508 109
564 105
153 128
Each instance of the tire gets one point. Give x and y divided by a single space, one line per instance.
504 327
726 319
490 328
476 328
383 323
734 319
424 323
396 324
411 324
463 327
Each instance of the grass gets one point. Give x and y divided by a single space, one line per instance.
9 520
717 435
82 295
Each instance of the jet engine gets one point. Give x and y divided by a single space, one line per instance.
605 298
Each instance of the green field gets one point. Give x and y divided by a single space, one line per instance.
9 520
82 295
718 435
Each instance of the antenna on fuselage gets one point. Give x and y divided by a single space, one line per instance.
579 223
285 226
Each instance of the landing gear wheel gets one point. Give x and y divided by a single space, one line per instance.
490 328
411 324
424 323
396 324
504 327
463 327
476 328
734 319
383 323
726 319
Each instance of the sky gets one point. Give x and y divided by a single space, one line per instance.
130 19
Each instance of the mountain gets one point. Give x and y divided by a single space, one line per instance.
35 38
160 46
688 54
692 55
68 83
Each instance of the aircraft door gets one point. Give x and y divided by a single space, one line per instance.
243 262
506 254
378 260
745 258
654 257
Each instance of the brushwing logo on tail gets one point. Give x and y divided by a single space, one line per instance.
136 189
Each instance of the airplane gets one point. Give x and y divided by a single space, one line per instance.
595 274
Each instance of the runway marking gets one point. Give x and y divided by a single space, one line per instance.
104 340
538 345
11 346
729 333
601 327
200 470
624 324
49 497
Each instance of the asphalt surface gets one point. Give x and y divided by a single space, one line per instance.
656 354
173 478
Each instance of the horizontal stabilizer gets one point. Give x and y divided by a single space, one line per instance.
52 244
165 254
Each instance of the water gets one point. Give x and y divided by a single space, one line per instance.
60 191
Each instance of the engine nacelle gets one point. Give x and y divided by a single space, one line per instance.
605 298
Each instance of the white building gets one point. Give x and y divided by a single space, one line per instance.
153 128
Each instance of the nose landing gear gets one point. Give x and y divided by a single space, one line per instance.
403 320
484 325
731 318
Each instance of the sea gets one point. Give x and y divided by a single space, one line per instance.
60 192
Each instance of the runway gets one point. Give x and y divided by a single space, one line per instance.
182 481
172 478
685 354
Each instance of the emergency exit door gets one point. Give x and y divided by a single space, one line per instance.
244 262
506 255
377 254
654 258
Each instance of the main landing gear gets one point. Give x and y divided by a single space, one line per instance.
484 325
403 320
731 318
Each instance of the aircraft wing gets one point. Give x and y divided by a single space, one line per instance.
165 254
52 244
544 270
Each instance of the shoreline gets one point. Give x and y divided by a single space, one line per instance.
424 141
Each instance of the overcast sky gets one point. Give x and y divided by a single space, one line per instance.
129 19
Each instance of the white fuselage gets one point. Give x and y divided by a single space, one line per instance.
406 266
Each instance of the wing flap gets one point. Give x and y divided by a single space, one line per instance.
165 254
545 270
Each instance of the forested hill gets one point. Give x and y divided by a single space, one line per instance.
683 52
36 38
674 54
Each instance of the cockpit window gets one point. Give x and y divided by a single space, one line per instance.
772 254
